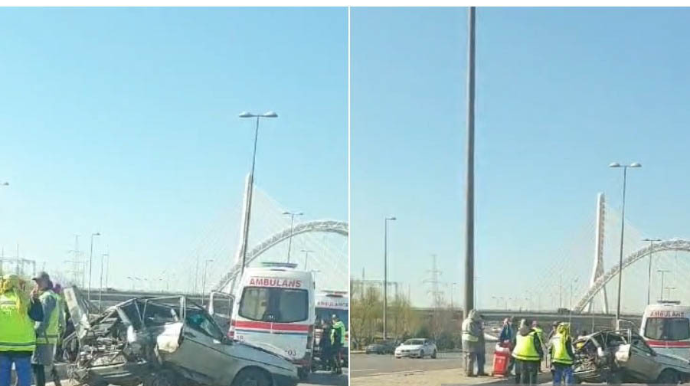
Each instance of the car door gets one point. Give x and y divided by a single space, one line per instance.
204 340
220 308
642 360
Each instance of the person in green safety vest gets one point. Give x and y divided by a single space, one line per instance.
540 334
562 356
337 342
47 330
527 354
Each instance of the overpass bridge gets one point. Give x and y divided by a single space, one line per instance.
579 321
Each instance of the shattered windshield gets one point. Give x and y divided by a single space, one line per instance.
198 320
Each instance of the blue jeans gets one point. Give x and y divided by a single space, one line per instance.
22 365
562 373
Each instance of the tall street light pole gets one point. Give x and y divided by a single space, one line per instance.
669 291
292 226
100 285
91 263
306 256
662 272
469 184
620 257
203 280
269 114
649 273
385 274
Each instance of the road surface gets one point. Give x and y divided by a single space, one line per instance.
366 365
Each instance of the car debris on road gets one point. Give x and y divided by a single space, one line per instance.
624 356
164 342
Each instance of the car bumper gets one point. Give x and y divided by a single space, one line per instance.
408 354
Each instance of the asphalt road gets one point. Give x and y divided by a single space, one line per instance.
326 378
365 364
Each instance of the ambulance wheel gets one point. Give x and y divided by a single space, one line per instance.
302 373
252 377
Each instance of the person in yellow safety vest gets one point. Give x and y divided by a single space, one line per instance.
337 342
47 330
17 338
540 334
471 329
527 354
562 355
62 326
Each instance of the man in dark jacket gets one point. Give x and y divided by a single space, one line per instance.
325 346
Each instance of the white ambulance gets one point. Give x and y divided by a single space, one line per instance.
329 303
666 328
274 308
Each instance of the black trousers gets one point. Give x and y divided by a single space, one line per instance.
526 372
39 374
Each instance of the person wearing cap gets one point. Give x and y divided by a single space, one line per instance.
18 312
562 355
337 342
47 330
62 322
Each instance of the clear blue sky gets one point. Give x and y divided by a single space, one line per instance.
560 94
124 121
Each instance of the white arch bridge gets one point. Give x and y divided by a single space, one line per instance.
662 246
319 226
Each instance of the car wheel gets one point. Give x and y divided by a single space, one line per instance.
433 356
668 377
615 378
252 377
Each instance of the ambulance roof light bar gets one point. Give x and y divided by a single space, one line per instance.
330 292
274 264
669 301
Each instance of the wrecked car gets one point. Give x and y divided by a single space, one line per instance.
164 342
624 356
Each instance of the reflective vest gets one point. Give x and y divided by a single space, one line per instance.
339 325
525 349
540 334
560 351
52 331
467 333
17 332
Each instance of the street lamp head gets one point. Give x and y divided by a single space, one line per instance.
614 165
96 234
635 165
391 218
5 183
651 239
269 114
246 114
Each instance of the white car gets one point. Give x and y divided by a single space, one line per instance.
416 348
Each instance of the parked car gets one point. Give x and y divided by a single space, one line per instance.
624 356
165 342
384 347
416 348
